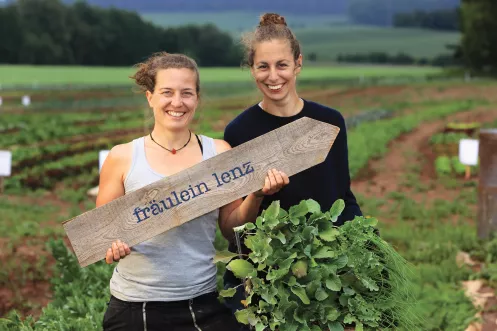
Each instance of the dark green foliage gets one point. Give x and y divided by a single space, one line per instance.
80 296
304 273
479 42
381 12
50 32
444 19
400 59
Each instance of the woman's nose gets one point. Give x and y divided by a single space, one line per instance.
176 101
273 75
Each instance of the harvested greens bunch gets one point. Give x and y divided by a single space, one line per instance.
305 273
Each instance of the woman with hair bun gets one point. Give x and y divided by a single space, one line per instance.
169 282
274 57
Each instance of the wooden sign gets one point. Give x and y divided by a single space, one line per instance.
200 189
487 188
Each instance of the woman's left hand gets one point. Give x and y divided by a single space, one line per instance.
275 180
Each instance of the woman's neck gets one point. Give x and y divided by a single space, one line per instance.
284 108
171 139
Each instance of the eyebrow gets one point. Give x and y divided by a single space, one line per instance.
279 61
170 88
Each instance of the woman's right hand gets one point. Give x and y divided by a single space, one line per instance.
118 251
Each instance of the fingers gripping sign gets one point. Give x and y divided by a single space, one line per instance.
274 182
119 250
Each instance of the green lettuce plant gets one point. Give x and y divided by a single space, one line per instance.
305 273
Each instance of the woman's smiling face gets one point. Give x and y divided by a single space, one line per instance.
275 69
174 99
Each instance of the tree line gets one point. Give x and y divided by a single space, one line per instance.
338 7
51 32
478 48
383 12
400 58
443 19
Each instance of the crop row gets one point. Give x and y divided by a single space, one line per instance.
52 163
27 121
53 129
46 170
370 140
50 95
48 174
82 105
27 157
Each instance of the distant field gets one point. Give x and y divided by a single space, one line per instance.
329 42
236 22
326 35
41 75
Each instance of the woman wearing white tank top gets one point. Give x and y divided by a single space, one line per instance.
172 87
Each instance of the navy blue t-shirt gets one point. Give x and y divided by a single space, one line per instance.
325 182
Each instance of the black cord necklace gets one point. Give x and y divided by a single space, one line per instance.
173 151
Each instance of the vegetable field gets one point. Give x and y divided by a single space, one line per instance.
38 76
403 173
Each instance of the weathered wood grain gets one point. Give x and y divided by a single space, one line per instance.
291 148
487 187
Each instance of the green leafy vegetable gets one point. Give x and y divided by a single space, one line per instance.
305 273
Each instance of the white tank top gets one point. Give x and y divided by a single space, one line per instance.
175 265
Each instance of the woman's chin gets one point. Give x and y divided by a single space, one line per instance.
176 125
275 96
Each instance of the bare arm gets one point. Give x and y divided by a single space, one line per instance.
111 183
246 210
111 187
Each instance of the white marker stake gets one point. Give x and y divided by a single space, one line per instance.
26 100
468 154
5 167
1 101
102 155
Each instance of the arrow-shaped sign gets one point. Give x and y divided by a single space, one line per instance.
200 189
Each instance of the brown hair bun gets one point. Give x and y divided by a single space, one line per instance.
271 18
271 26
